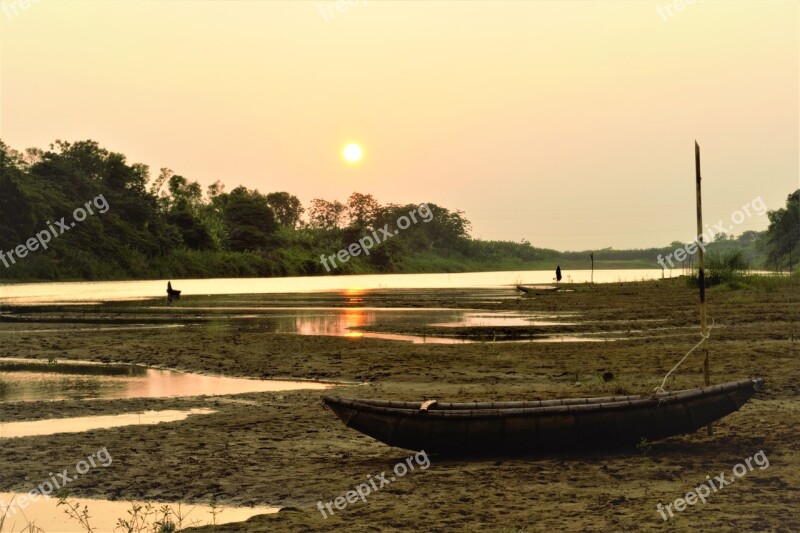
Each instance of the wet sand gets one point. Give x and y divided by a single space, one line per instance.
286 449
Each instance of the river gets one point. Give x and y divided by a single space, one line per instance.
87 291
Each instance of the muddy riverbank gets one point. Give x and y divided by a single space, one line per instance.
285 449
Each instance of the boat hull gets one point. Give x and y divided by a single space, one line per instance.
536 288
541 426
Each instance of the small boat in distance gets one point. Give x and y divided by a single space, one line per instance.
172 294
535 288
542 425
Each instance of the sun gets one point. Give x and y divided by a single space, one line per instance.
352 153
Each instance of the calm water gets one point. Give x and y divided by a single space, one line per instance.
104 513
79 424
70 383
346 322
330 321
128 290
482 319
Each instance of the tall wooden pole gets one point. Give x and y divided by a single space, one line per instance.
701 277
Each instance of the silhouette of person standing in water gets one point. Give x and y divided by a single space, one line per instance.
558 273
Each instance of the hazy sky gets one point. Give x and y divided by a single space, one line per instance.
570 124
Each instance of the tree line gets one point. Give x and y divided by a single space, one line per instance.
168 226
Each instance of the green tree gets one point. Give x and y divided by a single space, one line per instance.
287 208
22 201
187 212
325 215
362 210
249 220
783 233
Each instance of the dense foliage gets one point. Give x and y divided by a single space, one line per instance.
168 227
783 234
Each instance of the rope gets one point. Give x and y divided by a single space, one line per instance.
660 388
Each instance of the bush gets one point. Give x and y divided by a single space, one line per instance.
723 267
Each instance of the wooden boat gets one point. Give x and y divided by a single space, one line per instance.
537 426
535 288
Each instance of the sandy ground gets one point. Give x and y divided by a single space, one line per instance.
287 449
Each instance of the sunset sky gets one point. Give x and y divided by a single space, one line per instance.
569 124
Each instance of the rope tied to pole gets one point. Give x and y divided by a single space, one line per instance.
660 388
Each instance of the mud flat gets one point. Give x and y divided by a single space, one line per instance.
284 449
